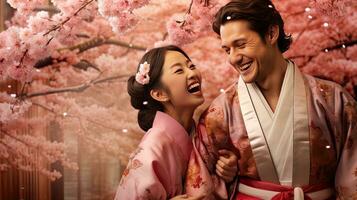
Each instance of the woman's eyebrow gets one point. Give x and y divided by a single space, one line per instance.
176 64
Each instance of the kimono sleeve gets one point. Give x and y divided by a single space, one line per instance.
346 174
198 178
140 180
213 129
212 135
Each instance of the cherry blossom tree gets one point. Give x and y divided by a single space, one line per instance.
71 59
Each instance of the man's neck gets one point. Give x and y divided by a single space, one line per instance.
272 84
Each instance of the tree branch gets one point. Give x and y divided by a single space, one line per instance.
47 61
123 44
190 7
338 46
45 108
295 13
50 9
303 30
331 48
95 42
79 88
85 64
58 26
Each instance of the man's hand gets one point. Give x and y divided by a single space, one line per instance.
227 165
186 197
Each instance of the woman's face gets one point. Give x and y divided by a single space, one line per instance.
182 81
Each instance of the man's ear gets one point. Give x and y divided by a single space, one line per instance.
159 95
273 34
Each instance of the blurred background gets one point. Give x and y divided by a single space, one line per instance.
66 124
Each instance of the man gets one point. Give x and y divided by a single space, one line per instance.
295 135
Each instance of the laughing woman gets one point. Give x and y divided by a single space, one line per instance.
166 90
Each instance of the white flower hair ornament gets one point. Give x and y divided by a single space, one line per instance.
142 76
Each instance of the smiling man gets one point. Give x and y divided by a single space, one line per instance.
295 135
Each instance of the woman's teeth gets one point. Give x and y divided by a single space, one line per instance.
194 88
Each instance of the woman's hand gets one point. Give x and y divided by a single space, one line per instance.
227 165
186 197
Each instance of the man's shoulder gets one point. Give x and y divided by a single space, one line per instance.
215 111
321 84
227 94
328 90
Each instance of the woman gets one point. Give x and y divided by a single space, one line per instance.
166 90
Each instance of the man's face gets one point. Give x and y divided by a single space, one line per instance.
247 52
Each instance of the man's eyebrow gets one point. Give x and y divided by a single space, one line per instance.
240 40
235 41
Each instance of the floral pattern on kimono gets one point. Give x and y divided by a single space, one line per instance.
133 164
332 121
156 170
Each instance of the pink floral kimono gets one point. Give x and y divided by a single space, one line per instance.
305 149
157 168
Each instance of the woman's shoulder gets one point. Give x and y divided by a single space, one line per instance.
156 142
155 137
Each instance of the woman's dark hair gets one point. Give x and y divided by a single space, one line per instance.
140 97
261 15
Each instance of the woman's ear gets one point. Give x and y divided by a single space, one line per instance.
273 34
159 95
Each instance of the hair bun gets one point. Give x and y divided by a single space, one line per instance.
136 92
146 118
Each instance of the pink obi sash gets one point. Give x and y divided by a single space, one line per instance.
250 189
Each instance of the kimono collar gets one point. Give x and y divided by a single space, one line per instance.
175 131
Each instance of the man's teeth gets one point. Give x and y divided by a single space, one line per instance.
193 86
246 66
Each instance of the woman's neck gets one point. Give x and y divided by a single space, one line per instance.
184 117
